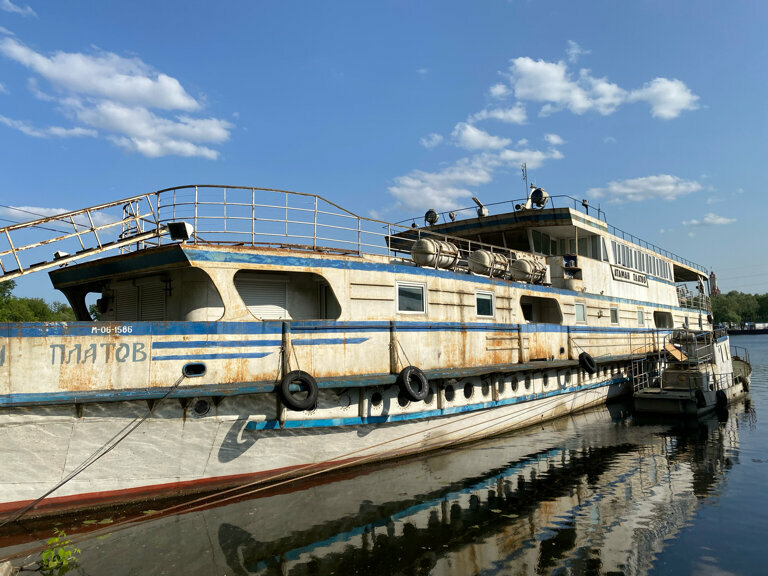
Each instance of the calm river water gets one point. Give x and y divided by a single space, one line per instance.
597 493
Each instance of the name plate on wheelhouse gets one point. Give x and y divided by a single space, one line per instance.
624 275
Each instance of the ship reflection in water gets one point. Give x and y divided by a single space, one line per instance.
595 493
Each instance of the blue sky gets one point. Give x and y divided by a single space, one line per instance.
654 110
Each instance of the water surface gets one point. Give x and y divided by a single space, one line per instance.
597 493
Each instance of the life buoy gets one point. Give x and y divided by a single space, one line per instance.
306 382
413 384
587 363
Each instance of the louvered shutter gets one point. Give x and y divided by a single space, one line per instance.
264 299
126 304
152 306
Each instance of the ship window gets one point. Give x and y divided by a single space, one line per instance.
484 303
410 298
640 318
543 310
581 313
662 319
614 315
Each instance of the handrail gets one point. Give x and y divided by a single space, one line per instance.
582 206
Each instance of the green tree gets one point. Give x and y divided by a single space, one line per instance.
15 309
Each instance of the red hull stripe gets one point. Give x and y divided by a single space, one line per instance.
60 504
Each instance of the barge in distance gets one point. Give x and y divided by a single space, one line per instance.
249 335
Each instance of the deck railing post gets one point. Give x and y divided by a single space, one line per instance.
195 218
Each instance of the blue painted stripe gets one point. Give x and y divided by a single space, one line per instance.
78 329
211 356
328 341
215 344
358 421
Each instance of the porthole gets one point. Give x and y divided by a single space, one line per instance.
450 393
485 388
469 389
430 397
201 407
527 381
545 379
402 400
502 386
376 399
513 382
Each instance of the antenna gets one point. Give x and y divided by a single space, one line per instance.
525 177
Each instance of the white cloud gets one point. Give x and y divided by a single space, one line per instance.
514 115
422 71
561 89
710 219
5 31
29 213
449 188
668 98
609 140
467 136
105 75
114 95
8 6
714 200
431 140
500 91
574 51
3 89
554 139
660 187
49 132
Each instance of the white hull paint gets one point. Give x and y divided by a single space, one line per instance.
173 452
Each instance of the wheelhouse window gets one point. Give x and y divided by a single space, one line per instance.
581 313
484 303
411 298
614 315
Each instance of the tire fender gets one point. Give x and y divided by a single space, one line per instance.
306 382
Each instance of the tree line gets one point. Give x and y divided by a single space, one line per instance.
18 309
739 308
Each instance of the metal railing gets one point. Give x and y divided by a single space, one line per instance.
565 201
231 215
693 300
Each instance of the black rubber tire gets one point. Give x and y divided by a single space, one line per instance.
406 379
306 382
587 363
722 399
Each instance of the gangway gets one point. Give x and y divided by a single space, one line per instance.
85 232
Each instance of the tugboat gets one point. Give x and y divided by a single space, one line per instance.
698 374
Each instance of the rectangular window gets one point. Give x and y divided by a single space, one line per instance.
614 315
484 303
640 318
581 314
536 235
615 253
410 298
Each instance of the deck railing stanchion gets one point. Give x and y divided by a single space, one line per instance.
314 229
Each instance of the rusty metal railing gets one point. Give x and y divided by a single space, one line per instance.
232 215
29 246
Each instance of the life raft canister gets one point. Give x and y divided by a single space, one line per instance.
293 400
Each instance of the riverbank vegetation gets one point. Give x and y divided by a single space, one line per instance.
17 309
739 308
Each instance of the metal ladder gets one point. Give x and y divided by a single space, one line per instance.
57 240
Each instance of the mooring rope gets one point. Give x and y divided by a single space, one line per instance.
100 452
216 499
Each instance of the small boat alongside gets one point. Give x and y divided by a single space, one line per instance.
231 335
693 374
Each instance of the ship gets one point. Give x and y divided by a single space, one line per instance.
236 335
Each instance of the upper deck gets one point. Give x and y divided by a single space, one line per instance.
259 217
